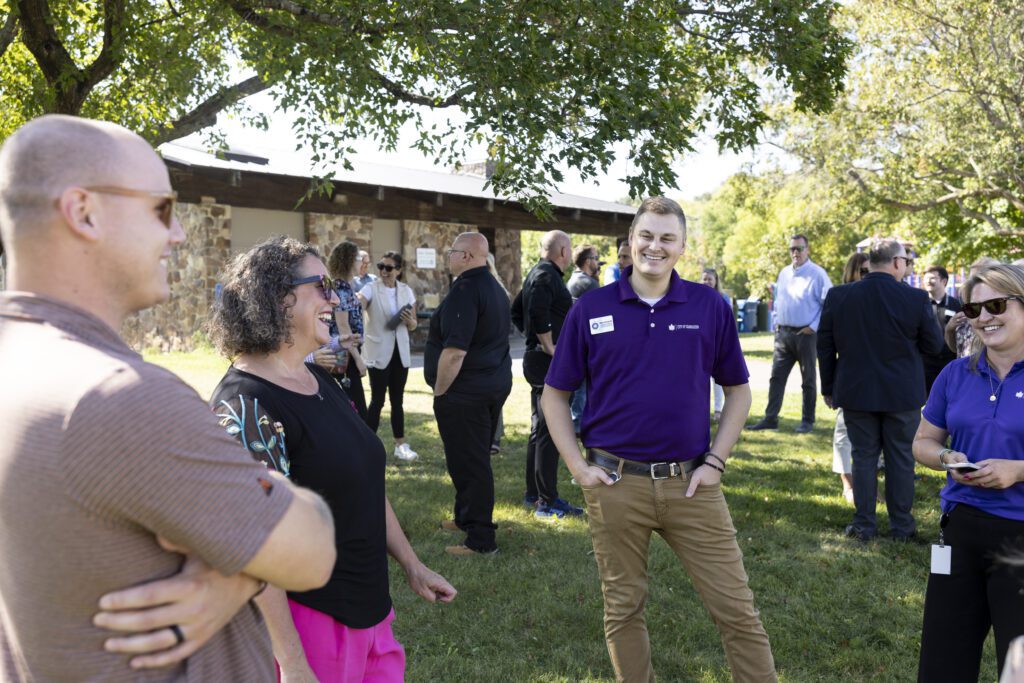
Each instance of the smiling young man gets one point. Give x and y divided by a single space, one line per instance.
649 464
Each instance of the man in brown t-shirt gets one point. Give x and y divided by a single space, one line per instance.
107 462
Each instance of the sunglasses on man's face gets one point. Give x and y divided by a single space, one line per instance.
993 306
325 283
796 250
166 208
385 267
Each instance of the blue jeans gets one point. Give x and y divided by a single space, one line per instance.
577 403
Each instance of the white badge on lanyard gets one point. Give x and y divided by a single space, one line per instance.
942 554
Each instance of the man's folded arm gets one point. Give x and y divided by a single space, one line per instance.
299 553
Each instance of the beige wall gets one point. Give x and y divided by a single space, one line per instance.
249 227
387 236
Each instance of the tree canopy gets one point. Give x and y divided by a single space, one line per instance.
931 125
542 84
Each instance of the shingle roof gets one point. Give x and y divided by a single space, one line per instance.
368 173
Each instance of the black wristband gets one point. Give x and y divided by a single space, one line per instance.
259 591
714 466
709 454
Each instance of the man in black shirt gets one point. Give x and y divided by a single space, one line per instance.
945 307
467 362
539 311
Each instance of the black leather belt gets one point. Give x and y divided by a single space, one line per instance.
654 470
796 328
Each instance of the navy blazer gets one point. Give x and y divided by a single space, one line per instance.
870 341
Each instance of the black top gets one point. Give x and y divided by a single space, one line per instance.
542 303
870 340
474 317
943 310
320 442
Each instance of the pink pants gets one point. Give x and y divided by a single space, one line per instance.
339 654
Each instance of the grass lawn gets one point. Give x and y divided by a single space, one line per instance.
835 610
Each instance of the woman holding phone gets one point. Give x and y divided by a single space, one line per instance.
977 403
390 316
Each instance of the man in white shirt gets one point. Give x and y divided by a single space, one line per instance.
799 296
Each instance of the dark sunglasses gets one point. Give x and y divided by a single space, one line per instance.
325 283
993 306
908 259
385 267
864 271
798 250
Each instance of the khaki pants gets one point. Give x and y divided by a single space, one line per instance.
700 532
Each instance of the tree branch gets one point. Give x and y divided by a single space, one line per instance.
980 216
8 31
108 58
952 196
42 41
205 114
415 98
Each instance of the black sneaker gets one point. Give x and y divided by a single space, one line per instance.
763 424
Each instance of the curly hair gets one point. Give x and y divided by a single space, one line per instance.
342 260
253 313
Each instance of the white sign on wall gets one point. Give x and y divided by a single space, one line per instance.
426 258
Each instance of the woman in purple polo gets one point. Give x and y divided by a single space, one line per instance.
978 403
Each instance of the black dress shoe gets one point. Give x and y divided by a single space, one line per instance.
804 428
859 534
762 425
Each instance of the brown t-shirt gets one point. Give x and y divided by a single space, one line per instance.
99 453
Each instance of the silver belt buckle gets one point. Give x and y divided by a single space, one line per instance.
673 470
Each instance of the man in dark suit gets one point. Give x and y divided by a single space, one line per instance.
870 341
945 307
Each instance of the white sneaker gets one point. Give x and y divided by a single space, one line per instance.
403 452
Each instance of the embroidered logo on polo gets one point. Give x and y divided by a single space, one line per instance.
1019 394
673 327
602 325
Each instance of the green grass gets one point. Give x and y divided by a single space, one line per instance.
835 610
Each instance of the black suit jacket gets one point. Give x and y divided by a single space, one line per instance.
870 340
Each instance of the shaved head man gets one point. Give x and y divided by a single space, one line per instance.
538 312
112 469
467 363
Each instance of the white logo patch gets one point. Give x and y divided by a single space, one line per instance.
602 325
674 327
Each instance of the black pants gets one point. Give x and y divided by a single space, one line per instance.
541 454
792 347
390 380
893 434
467 427
981 592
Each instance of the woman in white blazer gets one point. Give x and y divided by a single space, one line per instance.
386 351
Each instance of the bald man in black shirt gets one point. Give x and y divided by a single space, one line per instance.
467 363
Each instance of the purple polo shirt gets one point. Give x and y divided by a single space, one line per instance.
648 369
981 429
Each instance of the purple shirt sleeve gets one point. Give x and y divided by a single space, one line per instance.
730 369
568 367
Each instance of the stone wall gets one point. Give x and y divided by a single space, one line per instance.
325 230
193 271
429 282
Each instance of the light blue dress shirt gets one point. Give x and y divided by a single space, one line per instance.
800 295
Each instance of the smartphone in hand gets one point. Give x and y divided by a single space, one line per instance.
962 467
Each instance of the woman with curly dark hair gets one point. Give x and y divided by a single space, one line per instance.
276 307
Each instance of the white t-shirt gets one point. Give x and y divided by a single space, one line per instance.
392 301
651 302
